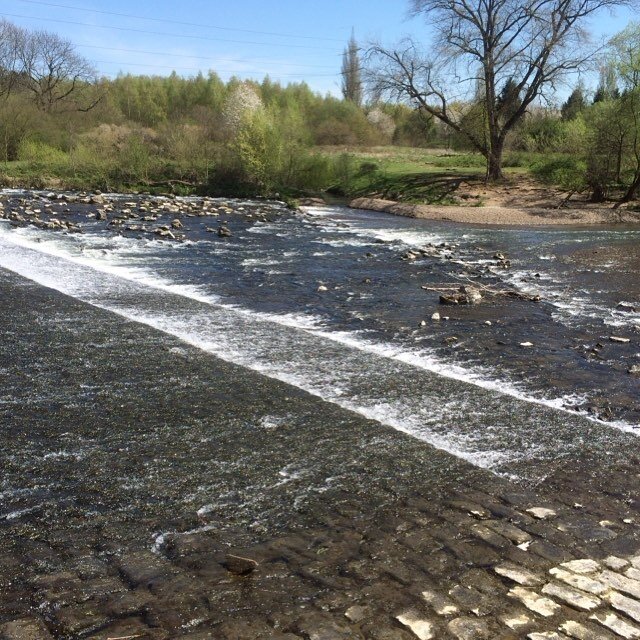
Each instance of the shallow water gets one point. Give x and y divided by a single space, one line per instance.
323 301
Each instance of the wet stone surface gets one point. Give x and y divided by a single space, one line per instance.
150 490
380 274
134 466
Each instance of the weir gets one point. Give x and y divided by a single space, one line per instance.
483 421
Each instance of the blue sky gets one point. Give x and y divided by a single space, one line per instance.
291 40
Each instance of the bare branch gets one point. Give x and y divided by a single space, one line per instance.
533 44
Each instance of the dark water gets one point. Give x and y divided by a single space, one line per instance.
324 301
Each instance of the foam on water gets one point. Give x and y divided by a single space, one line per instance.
341 367
409 237
570 304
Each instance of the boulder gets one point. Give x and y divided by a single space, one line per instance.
472 295
224 231
238 565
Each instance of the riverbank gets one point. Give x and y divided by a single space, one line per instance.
138 468
501 215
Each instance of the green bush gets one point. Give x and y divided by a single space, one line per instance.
41 155
567 172
368 168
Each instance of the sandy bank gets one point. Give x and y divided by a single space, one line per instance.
497 215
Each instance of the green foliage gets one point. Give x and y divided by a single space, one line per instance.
42 157
247 138
368 168
345 168
509 101
567 172
575 104
540 133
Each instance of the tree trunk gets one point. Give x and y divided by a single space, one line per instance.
494 161
631 191
598 193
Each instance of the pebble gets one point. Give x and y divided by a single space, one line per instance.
440 604
469 629
622 583
541 513
579 631
626 605
518 574
579 581
581 566
615 563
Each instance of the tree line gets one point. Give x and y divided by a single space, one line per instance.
58 118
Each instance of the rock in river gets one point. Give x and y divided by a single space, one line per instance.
239 565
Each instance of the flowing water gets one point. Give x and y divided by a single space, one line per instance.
323 301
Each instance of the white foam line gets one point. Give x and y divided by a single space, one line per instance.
425 360
455 444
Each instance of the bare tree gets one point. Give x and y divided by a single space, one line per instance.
11 38
536 43
54 73
351 73
47 67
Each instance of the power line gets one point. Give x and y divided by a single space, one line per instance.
194 57
250 71
162 33
188 24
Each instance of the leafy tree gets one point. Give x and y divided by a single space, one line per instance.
351 73
534 42
626 50
508 102
242 101
607 84
574 105
607 143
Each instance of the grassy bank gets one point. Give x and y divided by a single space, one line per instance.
405 174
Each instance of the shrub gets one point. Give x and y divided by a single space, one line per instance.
41 155
567 172
367 168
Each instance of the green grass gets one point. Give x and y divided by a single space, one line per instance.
404 174
412 175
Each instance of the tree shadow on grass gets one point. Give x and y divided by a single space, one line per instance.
429 188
